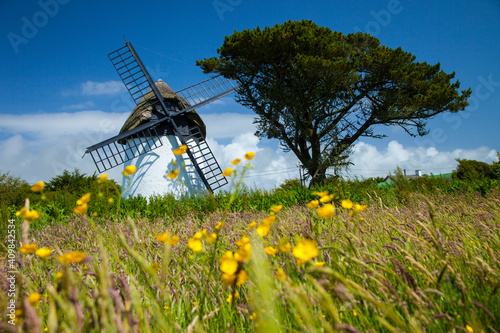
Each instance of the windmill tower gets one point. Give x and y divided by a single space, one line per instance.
162 121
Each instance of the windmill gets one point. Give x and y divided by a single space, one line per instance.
162 120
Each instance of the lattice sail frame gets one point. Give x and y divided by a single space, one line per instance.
147 137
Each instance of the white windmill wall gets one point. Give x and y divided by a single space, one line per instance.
149 178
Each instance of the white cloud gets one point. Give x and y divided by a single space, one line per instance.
371 162
81 106
91 88
41 146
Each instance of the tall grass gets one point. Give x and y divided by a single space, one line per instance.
409 263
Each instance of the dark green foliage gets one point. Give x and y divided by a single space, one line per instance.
318 91
470 170
290 184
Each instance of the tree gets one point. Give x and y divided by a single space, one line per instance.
317 91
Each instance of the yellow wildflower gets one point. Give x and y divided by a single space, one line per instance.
111 200
28 248
242 278
305 250
163 237
22 211
347 204
102 178
253 316
212 238
84 199
227 172
129 170
271 250
59 275
219 225
244 240
173 174
195 244
37 187
354 313
252 225
43 252
180 150
244 253
198 235
174 240
281 275
319 263
33 298
326 198
81 209
31 216
285 247
469 328
228 265
227 279
276 208
250 155
269 220
321 194
263 229
313 204
359 207
326 211
235 161
71 257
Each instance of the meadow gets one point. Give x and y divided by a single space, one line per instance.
417 256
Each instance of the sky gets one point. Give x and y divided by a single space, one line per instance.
59 93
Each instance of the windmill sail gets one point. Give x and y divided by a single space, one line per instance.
111 153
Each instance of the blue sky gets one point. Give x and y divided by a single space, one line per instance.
59 93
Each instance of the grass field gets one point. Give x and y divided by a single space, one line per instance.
429 262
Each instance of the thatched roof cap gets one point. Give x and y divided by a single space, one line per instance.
142 112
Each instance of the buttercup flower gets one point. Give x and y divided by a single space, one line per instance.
319 263
276 208
250 155
165 239
72 257
305 250
81 209
271 250
285 247
326 211
181 150
252 225
31 216
84 199
326 198
227 172
33 298
263 229
244 253
347 204
129 170
28 248
280 274
241 278
173 174
212 238
102 178
227 263
360 208
43 252
195 244
321 194
22 211
269 220
244 240
37 187
235 161
313 204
